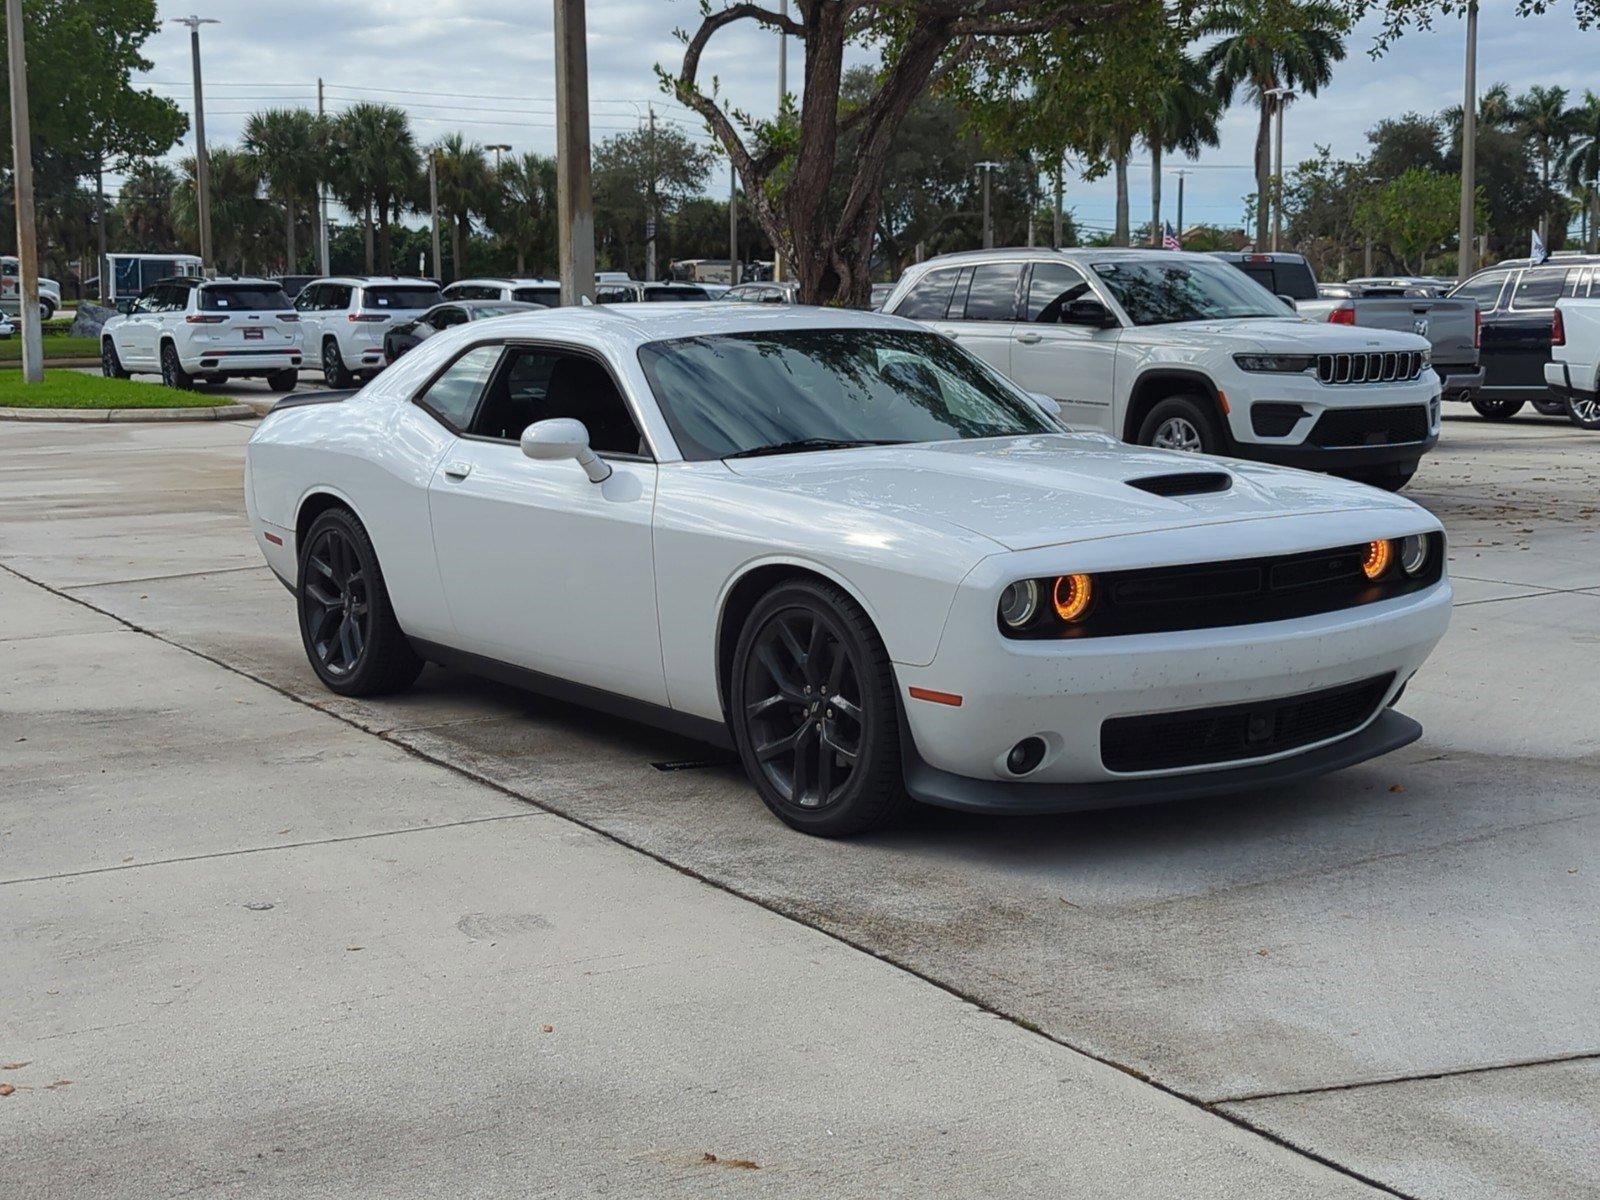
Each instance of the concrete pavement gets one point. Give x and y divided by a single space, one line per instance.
1347 968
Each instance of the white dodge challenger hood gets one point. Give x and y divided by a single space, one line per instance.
1028 492
1285 335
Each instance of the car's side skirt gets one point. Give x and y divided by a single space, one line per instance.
714 733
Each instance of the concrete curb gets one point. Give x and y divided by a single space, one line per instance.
78 416
74 363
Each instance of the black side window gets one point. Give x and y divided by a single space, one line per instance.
454 395
1485 289
306 301
447 318
1538 289
538 385
993 295
929 297
1051 288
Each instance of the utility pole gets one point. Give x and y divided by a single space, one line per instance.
783 91
202 164
650 205
498 147
22 172
1466 260
733 224
987 168
1055 214
1280 100
433 212
322 197
574 199
100 224
1181 173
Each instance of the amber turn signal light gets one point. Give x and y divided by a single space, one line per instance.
1379 555
1072 595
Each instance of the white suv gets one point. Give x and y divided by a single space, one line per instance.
345 319
529 291
11 290
1183 351
213 329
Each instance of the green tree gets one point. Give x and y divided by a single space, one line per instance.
1542 116
466 190
1581 166
1266 44
241 222
523 212
1401 143
1415 214
288 145
1184 112
1325 200
376 171
143 210
640 175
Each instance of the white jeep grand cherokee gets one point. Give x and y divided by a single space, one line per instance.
1182 351
211 330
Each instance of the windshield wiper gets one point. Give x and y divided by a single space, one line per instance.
803 444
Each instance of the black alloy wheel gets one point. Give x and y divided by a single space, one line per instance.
172 372
110 363
334 372
349 630
814 711
1497 410
285 380
1584 411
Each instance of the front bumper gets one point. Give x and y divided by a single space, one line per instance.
1301 446
1340 458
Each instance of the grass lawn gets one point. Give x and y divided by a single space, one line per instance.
72 389
55 346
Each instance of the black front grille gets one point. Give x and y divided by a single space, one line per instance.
1371 426
1379 366
1273 419
1196 737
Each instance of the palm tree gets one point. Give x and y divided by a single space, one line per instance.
376 169
1184 113
523 204
1543 116
1111 140
466 187
239 217
288 144
1581 163
1264 44
144 207
1496 110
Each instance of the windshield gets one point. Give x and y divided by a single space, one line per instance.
243 297
1165 292
739 392
399 297
658 294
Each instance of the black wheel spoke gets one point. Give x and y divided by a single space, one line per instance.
778 674
845 708
792 644
336 606
814 651
783 745
800 775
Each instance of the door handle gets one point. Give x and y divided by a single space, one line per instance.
457 470
1029 339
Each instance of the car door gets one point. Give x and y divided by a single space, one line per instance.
1072 364
983 315
1526 330
309 304
1486 288
542 568
139 334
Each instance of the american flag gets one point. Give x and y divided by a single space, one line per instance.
1169 237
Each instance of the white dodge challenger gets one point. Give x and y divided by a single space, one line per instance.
843 546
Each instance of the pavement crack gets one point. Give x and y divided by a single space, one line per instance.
1423 1077
83 587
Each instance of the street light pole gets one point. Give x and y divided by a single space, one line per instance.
650 207
574 198
322 198
987 167
1280 100
498 147
1466 257
22 172
202 164
433 214
1182 173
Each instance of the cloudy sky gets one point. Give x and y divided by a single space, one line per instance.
484 67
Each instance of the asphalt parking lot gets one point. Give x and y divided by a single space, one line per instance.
262 940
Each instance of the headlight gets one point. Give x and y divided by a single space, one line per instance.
1413 554
1379 555
1281 364
1072 595
1019 603
1427 357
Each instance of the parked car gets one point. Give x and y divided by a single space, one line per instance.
782 292
544 292
207 330
11 290
293 285
1178 350
7 329
1518 303
1285 275
346 318
1400 285
408 335
1573 373
842 545
649 293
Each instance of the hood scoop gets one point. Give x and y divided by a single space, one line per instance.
1187 483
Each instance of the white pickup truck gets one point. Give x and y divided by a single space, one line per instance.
1573 372
1182 351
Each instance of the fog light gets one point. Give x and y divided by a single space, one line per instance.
1025 756
1413 554
1019 603
1072 595
1379 555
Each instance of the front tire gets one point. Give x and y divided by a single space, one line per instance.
1584 411
1497 410
1185 423
172 372
285 380
814 712
110 362
334 372
1390 479
347 624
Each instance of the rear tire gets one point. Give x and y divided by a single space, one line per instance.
1584 412
347 624
110 362
1497 410
1188 423
285 380
1551 408
334 371
172 372
814 712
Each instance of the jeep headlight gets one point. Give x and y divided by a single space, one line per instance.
1277 364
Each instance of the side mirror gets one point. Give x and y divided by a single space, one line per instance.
563 437
1086 310
1049 405
125 305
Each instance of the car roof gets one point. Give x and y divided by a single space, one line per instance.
250 279
508 281
625 327
363 280
1073 254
